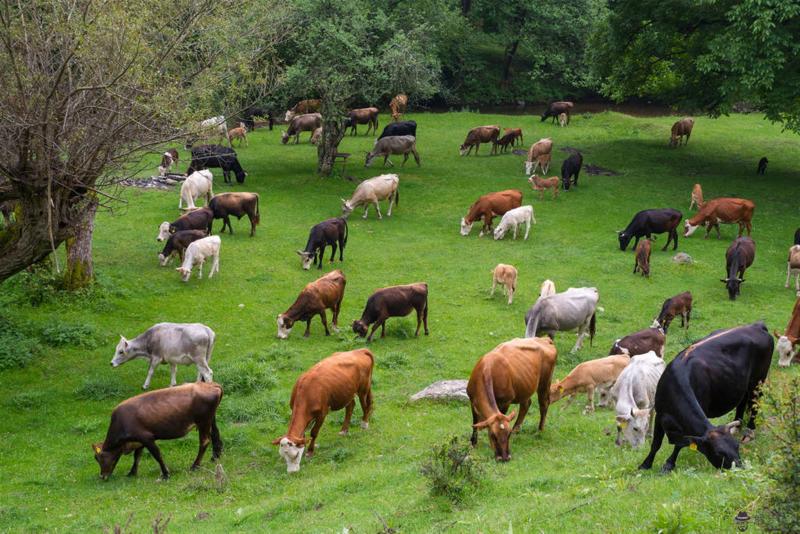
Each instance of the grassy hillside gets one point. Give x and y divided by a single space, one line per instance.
568 478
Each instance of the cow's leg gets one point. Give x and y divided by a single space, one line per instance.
425 318
200 268
214 265
515 231
365 399
669 465
510 294
527 229
379 322
348 413
494 285
366 208
589 399
788 274
333 251
137 454
579 342
797 282
204 433
674 239
324 320
391 203
474 437
228 222
156 454
716 225
308 328
416 157
252 225
669 238
419 321
321 256
658 438
314 432
405 158
635 243
378 208
386 159
383 329
173 370
153 364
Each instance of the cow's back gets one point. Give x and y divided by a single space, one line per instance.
334 381
178 338
519 367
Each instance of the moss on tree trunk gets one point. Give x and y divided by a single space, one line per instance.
80 269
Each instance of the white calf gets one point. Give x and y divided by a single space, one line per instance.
370 192
196 253
513 218
198 183
507 276
635 391
793 267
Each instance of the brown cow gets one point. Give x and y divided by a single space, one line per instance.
394 301
542 184
169 413
597 374
303 107
398 106
517 133
239 133
301 123
177 243
722 210
539 156
641 342
321 294
681 129
331 384
739 256
680 304
504 142
557 108
168 159
476 136
787 343
237 204
489 206
367 116
643 258
696 199
510 374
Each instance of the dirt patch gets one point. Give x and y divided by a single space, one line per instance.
519 152
154 182
596 170
572 150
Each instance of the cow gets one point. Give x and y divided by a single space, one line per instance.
543 184
213 127
708 379
208 156
680 304
199 219
513 219
793 267
487 207
504 142
398 106
696 199
563 119
476 136
328 232
762 166
395 144
539 156
177 243
168 159
787 342
249 117
331 384
394 301
642 262
546 289
557 108
316 136
303 107
647 340
648 222
170 343
239 133
681 131
738 258
199 183
399 128
324 293
722 210
561 312
510 374
301 123
797 237
238 205
516 133
599 374
196 254
635 394
505 275
137 423
371 191
571 169
367 116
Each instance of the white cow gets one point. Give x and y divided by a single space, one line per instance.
197 184
196 253
635 394
574 308
172 343
208 129
512 219
370 191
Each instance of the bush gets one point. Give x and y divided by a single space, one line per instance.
26 399
98 389
246 376
17 349
452 470
59 334
394 360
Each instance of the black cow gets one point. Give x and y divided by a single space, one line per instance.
394 301
328 232
708 379
399 128
557 108
738 258
199 219
571 168
648 222
222 157
249 114
177 243
797 237
762 166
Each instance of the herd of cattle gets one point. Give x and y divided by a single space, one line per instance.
709 378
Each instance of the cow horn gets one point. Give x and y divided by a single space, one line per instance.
299 252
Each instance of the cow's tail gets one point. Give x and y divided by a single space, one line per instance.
216 440
210 348
346 231
258 212
592 327
397 195
533 324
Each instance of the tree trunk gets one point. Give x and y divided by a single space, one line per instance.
511 51
332 133
465 6
80 269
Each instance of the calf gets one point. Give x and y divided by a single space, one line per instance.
170 343
328 232
563 119
539 156
331 384
177 243
512 219
488 206
168 159
476 136
571 169
599 374
398 106
787 343
510 374
303 107
681 131
635 393
557 108
199 219
239 133
208 156
696 199
505 275
709 378
372 191
516 133
722 210
238 205
314 299
399 128
316 136
762 166
543 184
394 301
642 262
196 254
680 304
738 258
197 184
648 222
793 267
647 340
301 123
213 127
368 116
397 144
137 423
504 142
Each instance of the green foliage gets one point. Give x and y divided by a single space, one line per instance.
26 399
60 334
17 348
453 470
100 388
672 519
394 360
245 375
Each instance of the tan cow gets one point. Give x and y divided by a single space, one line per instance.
368 116
599 374
301 108
543 184
539 156
722 210
680 130
476 136
239 133
793 267
697 197
787 343
371 191
489 206
398 106
506 275
323 293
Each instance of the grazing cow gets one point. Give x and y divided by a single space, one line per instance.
371 191
196 185
239 133
557 108
722 210
561 312
543 184
393 145
394 301
512 219
516 132
199 219
367 116
316 136
642 262
196 254
787 343
177 243
599 374
237 205
563 119
330 385
208 156
635 392
208 129
137 423
249 117
488 206
680 304
709 378
539 156
328 232
476 136
321 294
398 106
168 159
571 168
648 222
647 340
399 128
303 107
793 267
696 199
510 374
170 343
762 166
301 123
504 142
738 258
681 131
505 275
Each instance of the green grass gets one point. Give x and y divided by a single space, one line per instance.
569 478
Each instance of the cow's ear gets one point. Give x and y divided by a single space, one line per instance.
482 424
299 252
777 334
277 441
732 427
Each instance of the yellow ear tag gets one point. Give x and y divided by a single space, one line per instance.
693 446
97 449
561 389
622 424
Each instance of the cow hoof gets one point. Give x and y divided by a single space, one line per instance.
343 432
364 425
194 467
667 469
644 467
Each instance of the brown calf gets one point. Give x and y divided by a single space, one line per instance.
543 184
697 197
311 105
476 136
722 210
597 374
516 132
324 293
680 304
539 156
642 258
504 142
506 275
394 301
488 206
239 133
367 116
680 130
640 342
398 106
177 243
238 205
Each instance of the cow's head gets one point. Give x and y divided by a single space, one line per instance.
369 157
689 229
360 328
733 285
164 231
604 397
719 445
291 449
463 149
556 392
284 137
347 209
289 116
285 325
786 348
106 459
466 227
624 239
241 174
306 259
499 428
632 427
500 232
185 273
122 353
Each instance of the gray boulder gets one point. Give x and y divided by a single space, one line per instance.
444 390
682 257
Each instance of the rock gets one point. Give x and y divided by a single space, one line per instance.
444 390
682 257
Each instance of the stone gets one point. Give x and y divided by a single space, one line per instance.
444 390
682 257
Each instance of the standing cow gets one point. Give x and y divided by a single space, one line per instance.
561 312
557 108
476 136
722 210
681 131
327 233
648 222
738 258
487 207
301 123
371 191
394 301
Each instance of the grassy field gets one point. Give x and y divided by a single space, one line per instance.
569 478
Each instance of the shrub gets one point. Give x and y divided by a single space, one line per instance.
26 399
59 334
672 520
17 349
98 389
452 470
394 360
245 376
